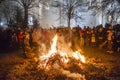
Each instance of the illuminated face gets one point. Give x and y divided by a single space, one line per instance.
100 29
21 32
92 31
27 36
110 27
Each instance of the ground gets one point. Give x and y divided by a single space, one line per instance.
100 66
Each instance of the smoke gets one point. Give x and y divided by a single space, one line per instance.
63 46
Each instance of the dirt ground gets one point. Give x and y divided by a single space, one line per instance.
100 66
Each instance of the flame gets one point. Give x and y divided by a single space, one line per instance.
53 47
78 56
63 56
52 50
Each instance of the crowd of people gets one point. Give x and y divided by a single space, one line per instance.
107 38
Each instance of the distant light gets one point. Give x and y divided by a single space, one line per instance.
40 9
118 20
110 18
47 7
1 23
30 20
100 18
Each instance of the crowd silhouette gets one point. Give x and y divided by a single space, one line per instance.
107 37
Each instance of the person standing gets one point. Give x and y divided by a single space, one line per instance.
109 40
100 37
26 43
93 38
81 38
20 39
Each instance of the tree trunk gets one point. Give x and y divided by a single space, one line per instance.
25 17
70 33
69 17
68 22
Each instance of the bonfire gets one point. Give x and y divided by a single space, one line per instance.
57 61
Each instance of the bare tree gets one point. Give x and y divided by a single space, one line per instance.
8 12
113 10
69 8
19 16
27 5
109 7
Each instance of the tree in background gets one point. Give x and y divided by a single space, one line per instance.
27 5
19 16
7 9
17 11
109 7
69 8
